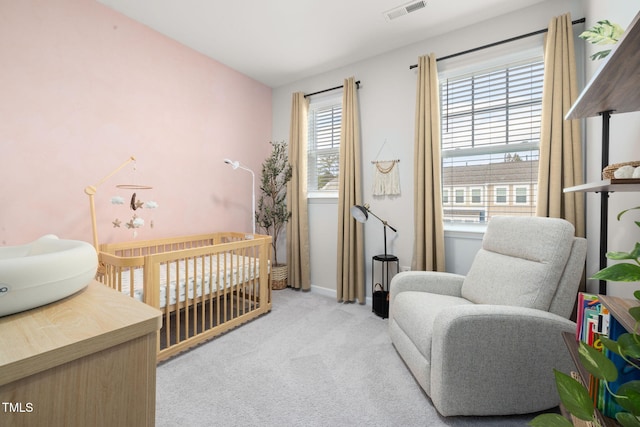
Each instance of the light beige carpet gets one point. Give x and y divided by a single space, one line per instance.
310 362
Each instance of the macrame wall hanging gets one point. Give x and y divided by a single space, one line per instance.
386 178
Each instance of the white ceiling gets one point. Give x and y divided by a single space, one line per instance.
277 42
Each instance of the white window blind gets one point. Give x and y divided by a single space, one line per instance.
490 140
325 119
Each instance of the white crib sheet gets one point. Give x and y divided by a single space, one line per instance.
232 270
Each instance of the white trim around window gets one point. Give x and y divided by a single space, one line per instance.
518 191
459 192
445 196
500 192
476 196
323 150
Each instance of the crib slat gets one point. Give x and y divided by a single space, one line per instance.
205 291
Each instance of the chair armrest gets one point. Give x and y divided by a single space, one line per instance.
498 351
426 281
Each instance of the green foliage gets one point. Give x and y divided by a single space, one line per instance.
574 395
626 271
597 363
603 33
550 420
272 213
328 167
623 272
508 158
628 396
627 420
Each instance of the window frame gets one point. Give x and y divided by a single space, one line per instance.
506 195
445 196
532 53
527 194
480 189
320 102
455 196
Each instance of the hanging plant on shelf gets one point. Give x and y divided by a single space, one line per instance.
603 33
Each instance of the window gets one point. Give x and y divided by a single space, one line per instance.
490 139
476 196
501 195
459 196
325 119
521 195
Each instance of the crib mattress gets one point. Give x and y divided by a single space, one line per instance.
194 277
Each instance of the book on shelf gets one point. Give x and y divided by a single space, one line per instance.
592 319
592 322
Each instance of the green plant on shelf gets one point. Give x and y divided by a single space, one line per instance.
603 33
573 395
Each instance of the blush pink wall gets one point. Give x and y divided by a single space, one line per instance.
83 88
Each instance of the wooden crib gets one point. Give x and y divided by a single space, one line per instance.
204 284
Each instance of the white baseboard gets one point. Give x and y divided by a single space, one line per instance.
332 293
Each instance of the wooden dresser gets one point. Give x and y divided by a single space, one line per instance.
86 360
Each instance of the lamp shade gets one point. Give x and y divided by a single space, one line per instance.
232 163
359 213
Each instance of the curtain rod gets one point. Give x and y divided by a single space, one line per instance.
330 89
577 21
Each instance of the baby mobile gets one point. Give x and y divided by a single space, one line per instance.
135 205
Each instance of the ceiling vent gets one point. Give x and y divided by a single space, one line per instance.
405 9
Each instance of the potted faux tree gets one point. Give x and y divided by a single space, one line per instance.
272 213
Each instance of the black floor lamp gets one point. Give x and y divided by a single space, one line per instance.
380 299
361 214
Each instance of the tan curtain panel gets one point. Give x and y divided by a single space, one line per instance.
298 260
428 247
350 265
560 140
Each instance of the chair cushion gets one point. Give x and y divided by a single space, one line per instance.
415 312
521 262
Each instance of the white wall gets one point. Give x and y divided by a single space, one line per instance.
624 146
387 109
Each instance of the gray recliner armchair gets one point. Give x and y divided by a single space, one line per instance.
487 343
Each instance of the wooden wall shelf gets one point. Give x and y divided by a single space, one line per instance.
610 185
614 87
619 308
